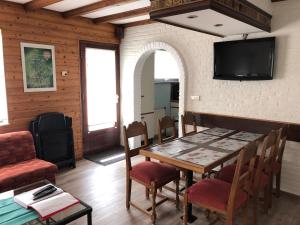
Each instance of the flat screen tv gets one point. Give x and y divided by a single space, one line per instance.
251 59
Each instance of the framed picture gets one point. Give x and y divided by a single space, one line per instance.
38 62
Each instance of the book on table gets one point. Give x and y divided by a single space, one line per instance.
46 206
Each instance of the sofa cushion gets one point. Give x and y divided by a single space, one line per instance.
26 172
16 147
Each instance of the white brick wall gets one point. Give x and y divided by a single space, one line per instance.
278 99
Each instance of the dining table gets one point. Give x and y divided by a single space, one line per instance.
201 152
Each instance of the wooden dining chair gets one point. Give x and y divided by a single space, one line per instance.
188 119
163 124
222 197
152 175
277 164
261 182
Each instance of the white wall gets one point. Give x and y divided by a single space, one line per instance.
278 99
147 95
147 88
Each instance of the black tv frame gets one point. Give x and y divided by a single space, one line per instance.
241 78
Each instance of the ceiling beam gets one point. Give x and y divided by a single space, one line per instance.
93 7
139 23
38 4
123 15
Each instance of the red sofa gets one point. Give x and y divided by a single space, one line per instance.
18 163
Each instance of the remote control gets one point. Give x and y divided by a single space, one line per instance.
45 193
43 189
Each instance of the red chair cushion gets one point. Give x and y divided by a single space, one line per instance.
148 171
214 193
227 174
276 167
26 172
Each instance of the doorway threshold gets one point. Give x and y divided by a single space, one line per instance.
108 156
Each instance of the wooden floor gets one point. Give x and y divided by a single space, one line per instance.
103 187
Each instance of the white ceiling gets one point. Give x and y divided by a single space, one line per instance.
206 19
19 1
119 8
66 5
131 20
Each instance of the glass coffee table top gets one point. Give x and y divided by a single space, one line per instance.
65 216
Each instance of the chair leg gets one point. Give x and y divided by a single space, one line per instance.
177 193
271 190
207 214
185 209
255 205
147 193
245 214
154 192
278 180
128 192
266 199
229 220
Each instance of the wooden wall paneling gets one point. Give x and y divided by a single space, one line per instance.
246 124
51 28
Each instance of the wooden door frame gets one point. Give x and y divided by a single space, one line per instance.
116 47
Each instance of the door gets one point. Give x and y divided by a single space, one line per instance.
100 96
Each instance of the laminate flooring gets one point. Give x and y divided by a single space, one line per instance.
103 187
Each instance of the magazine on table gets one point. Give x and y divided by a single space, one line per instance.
46 206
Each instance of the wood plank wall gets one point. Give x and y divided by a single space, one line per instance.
46 27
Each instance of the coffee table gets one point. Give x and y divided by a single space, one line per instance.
64 217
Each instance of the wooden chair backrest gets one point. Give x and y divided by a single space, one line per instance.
133 130
242 179
267 152
188 119
163 124
281 145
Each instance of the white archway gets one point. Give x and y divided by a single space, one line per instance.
139 64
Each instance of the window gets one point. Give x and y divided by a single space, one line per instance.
3 101
165 66
101 88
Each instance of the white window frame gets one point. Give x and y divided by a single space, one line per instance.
3 97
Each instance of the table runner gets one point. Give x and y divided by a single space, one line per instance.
13 214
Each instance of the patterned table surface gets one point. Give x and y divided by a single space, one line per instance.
205 150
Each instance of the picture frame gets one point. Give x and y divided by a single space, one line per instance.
38 64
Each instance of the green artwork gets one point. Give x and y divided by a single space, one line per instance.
38 67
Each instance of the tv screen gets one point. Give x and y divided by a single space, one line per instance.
251 59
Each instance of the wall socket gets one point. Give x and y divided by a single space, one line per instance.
64 73
195 98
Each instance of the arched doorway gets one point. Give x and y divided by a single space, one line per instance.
140 61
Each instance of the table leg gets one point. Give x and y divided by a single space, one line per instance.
188 183
89 218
